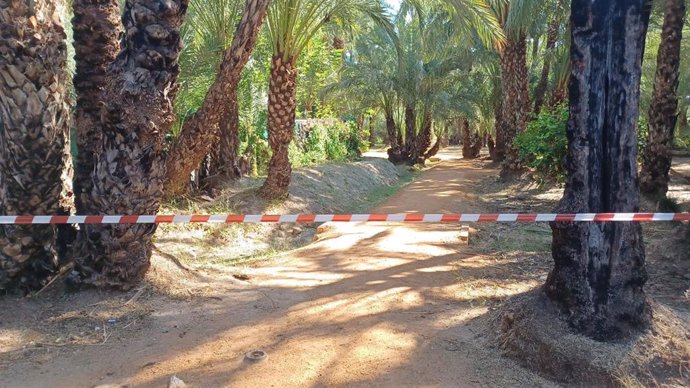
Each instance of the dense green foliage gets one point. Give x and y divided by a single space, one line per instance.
326 142
438 60
544 144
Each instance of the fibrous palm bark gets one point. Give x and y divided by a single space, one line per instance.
471 143
129 167
405 148
97 28
230 139
199 133
423 141
34 133
282 93
515 104
663 112
599 270
391 129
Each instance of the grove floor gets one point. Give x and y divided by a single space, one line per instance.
364 305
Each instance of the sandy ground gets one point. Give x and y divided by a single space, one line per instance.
366 305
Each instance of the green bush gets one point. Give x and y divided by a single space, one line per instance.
334 142
543 145
356 141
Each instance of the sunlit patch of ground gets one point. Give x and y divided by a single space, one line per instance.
364 305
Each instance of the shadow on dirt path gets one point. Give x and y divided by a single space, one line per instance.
365 305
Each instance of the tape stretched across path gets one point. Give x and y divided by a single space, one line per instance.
320 218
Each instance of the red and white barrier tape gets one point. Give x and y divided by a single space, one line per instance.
314 218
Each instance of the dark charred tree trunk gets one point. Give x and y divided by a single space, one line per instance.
599 270
663 112
97 28
34 139
542 86
281 123
202 130
129 167
515 86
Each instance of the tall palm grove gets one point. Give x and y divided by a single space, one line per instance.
112 107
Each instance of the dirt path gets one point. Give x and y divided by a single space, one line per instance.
366 305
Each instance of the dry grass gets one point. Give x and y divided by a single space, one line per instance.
532 331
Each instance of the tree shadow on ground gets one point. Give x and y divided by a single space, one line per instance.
366 305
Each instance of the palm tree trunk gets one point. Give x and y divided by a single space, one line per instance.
34 138
599 270
423 141
199 133
97 28
434 149
129 169
282 104
399 134
515 85
540 92
230 139
391 129
499 153
410 126
663 112
466 140
472 142
491 145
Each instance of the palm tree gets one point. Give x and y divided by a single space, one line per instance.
540 92
129 168
599 270
663 111
516 17
96 27
557 11
220 110
292 24
435 61
34 146
424 68
368 76
561 74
